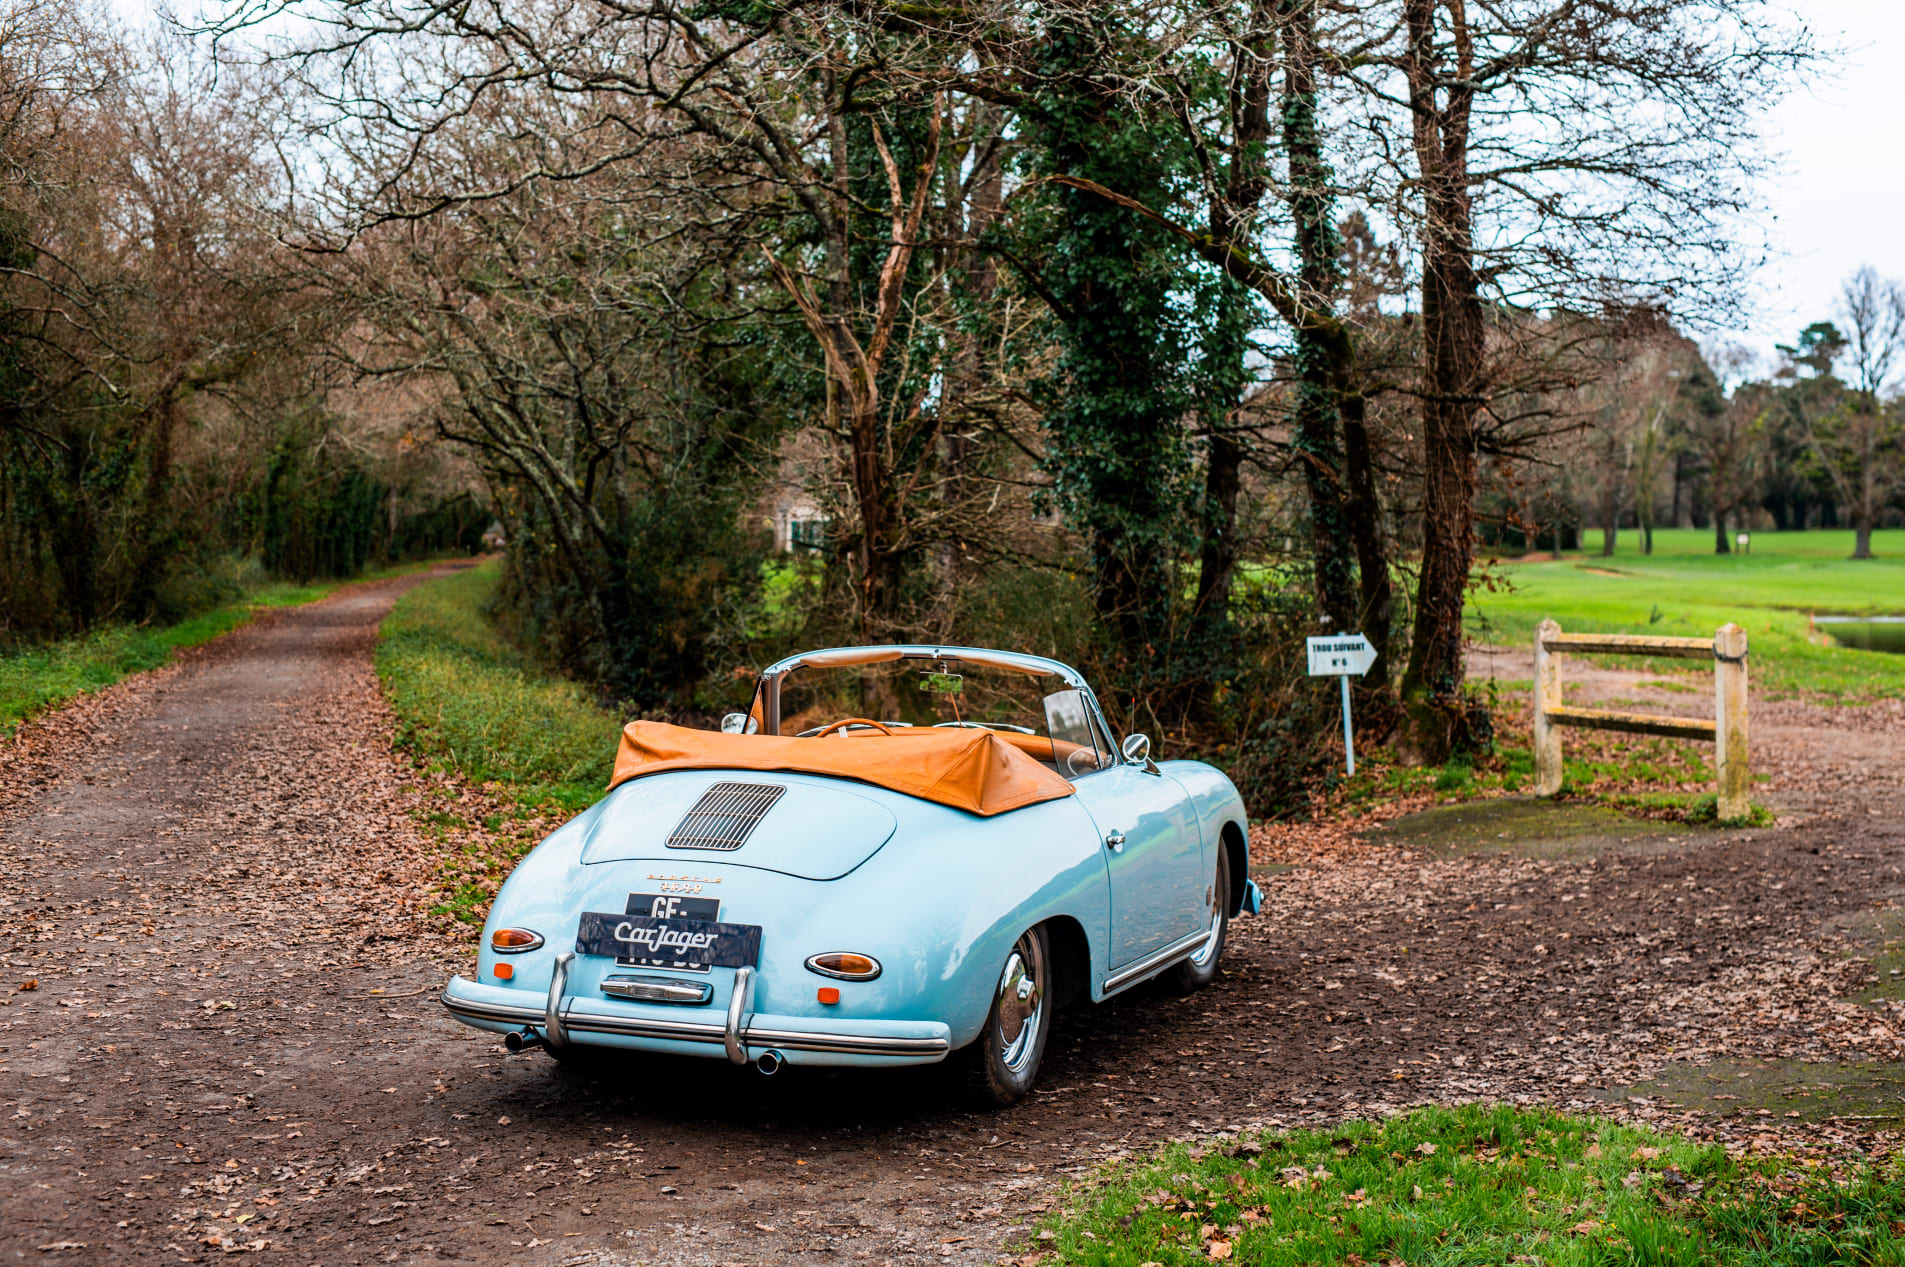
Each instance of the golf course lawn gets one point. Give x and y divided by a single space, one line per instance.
1683 589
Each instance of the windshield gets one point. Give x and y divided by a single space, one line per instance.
1055 726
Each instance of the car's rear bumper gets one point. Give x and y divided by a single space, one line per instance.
611 1023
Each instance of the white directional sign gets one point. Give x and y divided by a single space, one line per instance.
1345 653
1341 657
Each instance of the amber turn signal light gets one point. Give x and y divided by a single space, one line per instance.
845 965
504 971
828 995
513 941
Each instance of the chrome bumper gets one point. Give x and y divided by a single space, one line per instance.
917 1041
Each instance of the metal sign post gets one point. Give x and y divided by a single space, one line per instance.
1340 657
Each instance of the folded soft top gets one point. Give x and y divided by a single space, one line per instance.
979 771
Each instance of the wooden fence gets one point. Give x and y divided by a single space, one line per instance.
1727 730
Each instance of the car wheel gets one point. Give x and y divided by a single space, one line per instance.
1201 968
1003 1061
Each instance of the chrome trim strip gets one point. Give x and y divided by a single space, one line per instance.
645 1027
657 989
552 1031
860 1044
578 1022
503 1012
986 656
1156 961
733 1036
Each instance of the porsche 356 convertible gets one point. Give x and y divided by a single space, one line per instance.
896 855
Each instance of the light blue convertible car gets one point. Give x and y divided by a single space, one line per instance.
896 855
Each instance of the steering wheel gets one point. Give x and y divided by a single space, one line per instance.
1081 760
844 722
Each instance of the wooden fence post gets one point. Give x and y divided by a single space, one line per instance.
1547 695
1729 708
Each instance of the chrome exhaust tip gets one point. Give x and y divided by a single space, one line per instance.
769 1063
517 1042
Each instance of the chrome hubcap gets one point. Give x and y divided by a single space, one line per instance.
1021 1004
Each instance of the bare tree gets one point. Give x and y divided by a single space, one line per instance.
812 148
1860 443
1727 432
1556 155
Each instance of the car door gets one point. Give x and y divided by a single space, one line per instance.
1154 854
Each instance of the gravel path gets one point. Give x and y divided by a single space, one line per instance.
231 1042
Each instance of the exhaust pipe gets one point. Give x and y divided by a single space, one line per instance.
517 1042
769 1063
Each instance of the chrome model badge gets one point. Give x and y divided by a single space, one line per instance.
682 883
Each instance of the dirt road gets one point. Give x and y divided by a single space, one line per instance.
232 1044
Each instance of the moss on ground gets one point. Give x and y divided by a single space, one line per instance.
1871 1092
1525 826
1473 1185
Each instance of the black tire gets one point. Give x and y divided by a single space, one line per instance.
1002 1063
1200 969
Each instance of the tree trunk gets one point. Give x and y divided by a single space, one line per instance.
1372 552
1453 339
1217 552
1864 510
1720 544
1317 450
1610 526
1323 353
1246 181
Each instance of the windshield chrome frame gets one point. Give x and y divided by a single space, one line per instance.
767 691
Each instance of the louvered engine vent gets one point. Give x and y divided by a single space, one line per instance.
725 816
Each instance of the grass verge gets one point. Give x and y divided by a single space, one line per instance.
469 703
466 700
43 677
1476 1184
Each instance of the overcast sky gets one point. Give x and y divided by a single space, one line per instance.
1840 199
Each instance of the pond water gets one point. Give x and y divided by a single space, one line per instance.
1867 633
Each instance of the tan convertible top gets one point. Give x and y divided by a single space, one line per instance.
979 771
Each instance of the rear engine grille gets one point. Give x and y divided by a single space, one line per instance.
725 816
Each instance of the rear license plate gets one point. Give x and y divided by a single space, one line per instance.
668 943
668 906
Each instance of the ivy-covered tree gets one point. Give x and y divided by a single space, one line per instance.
1117 450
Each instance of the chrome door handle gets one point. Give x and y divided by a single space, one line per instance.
1114 841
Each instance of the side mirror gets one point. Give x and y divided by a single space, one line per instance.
1137 749
739 724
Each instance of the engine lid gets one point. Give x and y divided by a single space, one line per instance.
795 824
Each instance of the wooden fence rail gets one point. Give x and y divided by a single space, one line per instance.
1727 730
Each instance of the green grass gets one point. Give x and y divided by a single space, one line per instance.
1685 590
43 677
1474 1185
468 701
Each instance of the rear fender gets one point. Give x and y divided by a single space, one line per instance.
1220 815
